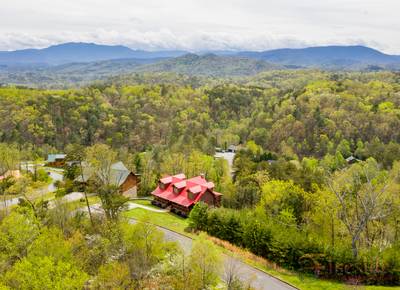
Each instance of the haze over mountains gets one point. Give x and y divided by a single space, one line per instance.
88 61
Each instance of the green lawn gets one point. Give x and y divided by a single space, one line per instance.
167 220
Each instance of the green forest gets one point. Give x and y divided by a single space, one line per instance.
314 186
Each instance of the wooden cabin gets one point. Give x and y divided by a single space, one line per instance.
181 194
119 175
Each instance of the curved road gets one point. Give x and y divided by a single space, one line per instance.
54 175
247 273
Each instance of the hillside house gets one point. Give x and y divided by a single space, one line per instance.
56 160
119 175
182 194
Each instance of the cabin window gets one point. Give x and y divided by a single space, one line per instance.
176 190
162 185
191 195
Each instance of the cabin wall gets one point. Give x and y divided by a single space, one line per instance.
208 198
129 187
160 202
130 182
56 163
180 210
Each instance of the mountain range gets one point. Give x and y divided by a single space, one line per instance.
78 52
85 62
334 57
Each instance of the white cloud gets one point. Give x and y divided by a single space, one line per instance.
201 24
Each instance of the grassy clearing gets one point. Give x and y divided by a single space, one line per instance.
77 204
42 196
167 220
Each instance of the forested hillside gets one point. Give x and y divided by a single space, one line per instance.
292 114
314 185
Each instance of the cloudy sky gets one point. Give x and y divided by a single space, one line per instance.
199 25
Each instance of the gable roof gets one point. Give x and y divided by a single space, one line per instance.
197 185
53 157
118 173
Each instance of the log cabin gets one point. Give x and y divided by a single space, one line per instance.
119 175
181 194
55 160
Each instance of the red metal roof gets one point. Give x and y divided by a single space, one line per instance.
180 184
197 185
195 189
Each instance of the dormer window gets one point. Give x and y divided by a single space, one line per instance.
179 186
193 192
176 190
164 182
162 186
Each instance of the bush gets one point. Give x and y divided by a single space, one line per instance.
291 247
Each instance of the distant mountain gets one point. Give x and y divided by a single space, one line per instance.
324 57
327 57
77 52
81 63
210 65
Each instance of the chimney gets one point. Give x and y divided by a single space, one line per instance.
202 175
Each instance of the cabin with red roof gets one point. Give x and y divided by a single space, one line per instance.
181 194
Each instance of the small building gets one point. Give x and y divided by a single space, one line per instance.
56 160
119 175
352 159
181 194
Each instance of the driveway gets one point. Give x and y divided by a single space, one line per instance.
132 205
247 273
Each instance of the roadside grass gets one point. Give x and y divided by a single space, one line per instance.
41 196
299 280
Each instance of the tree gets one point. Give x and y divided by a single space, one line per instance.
144 248
198 217
281 198
76 153
45 273
113 276
231 278
204 263
363 195
99 159
9 160
147 167
17 232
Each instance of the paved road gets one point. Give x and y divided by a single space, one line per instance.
259 279
9 202
228 156
54 175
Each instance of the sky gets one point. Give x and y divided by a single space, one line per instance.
201 25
